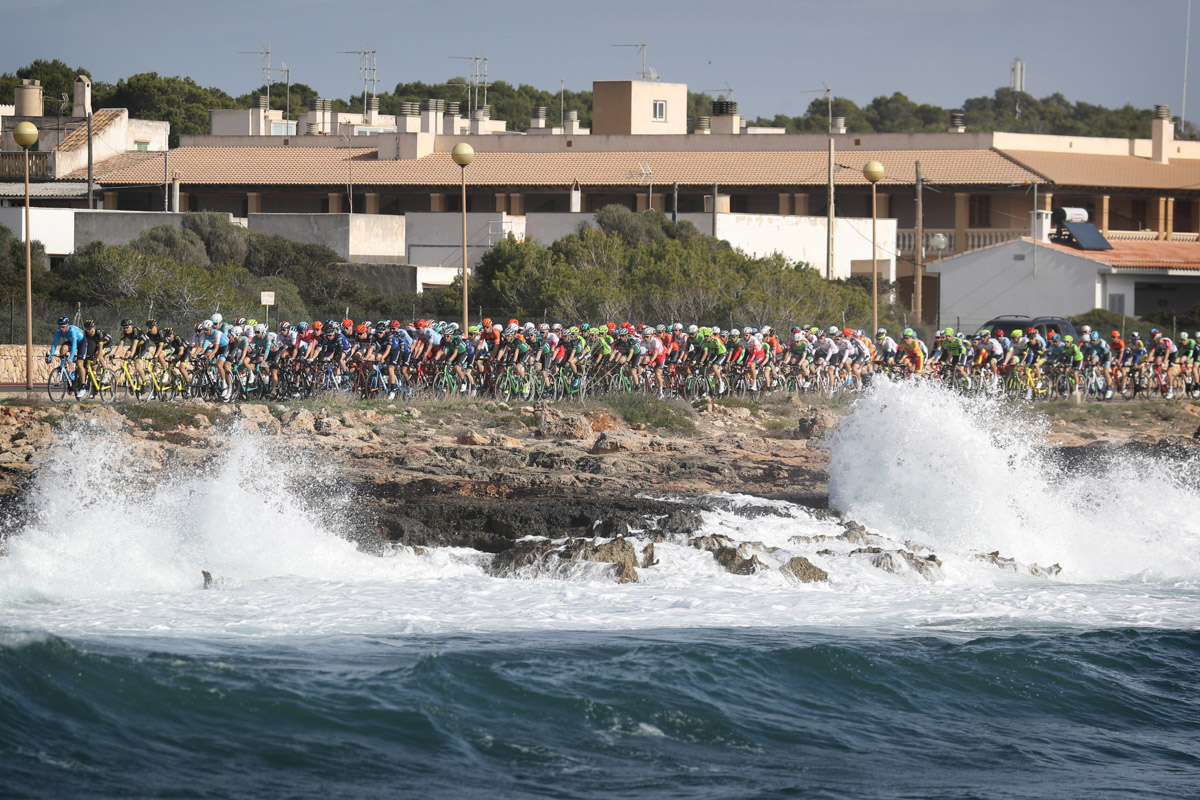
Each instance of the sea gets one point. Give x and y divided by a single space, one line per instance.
1067 665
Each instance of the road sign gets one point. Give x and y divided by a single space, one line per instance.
268 298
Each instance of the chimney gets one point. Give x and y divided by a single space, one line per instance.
539 117
1162 133
725 118
372 111
838 126
572 126
28 98
957 123
703 125
431 117
83 97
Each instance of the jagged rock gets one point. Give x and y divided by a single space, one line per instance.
300 420
648 559
815 422
733 560
601 420
532 557
804 570
711 543
472 438
1012 565
259 417
899 561
737 412
553 423
826 552
201 421
500 440
619 442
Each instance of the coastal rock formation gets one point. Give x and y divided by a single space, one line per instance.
529 558
804 570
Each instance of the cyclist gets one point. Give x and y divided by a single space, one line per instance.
1165 354
74 345
131 342
911 351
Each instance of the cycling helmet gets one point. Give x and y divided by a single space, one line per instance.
473 330
208 324
715 331
152 323
529 326
199 326
514 322
758 336
285 325
487 322
216 319
948 332
1096 336
347 323
88 324
797 336
766 329
260 328
1086 329
1116 335
692 329
125 323
240 321
678 326
1068 338
395 325
317 325
64 320
881 332
660 328
167 332
331 326
909 333
511 330
361 330
847 331
1183 336
544 328
301 326
833 330
1197 336
1135 335
236 331
556 326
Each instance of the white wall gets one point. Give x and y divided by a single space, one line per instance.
434 238
983 284
53 227
377 237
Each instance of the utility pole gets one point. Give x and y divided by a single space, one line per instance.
829 219
919 248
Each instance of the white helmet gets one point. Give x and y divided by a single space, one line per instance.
797 336
260 328
766 328
733 332
529 326
716 331
758 336
693 329
881 332
236 331
1087 329
208 324
216 319
834 330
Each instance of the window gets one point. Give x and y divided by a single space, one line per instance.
980 212
142 145
660 110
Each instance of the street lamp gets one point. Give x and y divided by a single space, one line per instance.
462 154
26 135
873 172
939 242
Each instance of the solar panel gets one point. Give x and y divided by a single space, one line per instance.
1087 236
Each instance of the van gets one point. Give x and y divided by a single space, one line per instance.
1044 325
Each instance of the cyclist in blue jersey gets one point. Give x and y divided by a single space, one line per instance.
74 344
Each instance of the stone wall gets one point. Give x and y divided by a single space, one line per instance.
12 364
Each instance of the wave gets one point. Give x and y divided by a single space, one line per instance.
663 713
970 474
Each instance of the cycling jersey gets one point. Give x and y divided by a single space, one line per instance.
73 336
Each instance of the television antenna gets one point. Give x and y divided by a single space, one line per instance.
479 77
645 177
266 66
727 91
647 73
367 67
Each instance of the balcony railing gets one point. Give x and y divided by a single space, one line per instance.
12 166
976 238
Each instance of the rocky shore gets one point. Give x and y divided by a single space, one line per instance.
533 484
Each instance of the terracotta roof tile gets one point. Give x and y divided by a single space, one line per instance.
327 166
1118 172
1137 254
101 120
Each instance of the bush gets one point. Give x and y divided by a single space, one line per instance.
642 409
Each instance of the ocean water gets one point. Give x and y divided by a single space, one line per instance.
316 667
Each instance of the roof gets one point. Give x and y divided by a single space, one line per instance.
327 166
46 189
101 120
1140 254
1125 172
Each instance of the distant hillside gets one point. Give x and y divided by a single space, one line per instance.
185 104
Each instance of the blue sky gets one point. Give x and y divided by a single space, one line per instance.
772 52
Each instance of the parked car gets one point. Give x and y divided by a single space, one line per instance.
1044 325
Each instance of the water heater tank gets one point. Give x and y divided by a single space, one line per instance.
1065 214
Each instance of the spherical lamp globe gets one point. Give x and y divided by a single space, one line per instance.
25 134
462 154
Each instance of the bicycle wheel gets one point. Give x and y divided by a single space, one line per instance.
135 386
58 384
106 389
166 385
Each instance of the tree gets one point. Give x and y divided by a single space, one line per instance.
180 101
56 77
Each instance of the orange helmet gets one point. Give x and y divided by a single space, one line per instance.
1116 334
487 322
347 323
612 326
361 329
513 321
847 331
316 326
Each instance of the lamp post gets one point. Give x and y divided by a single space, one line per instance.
26 135
873 172
462 154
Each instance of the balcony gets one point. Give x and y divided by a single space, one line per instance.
976 238
12 166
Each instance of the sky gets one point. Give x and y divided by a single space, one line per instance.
775 54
